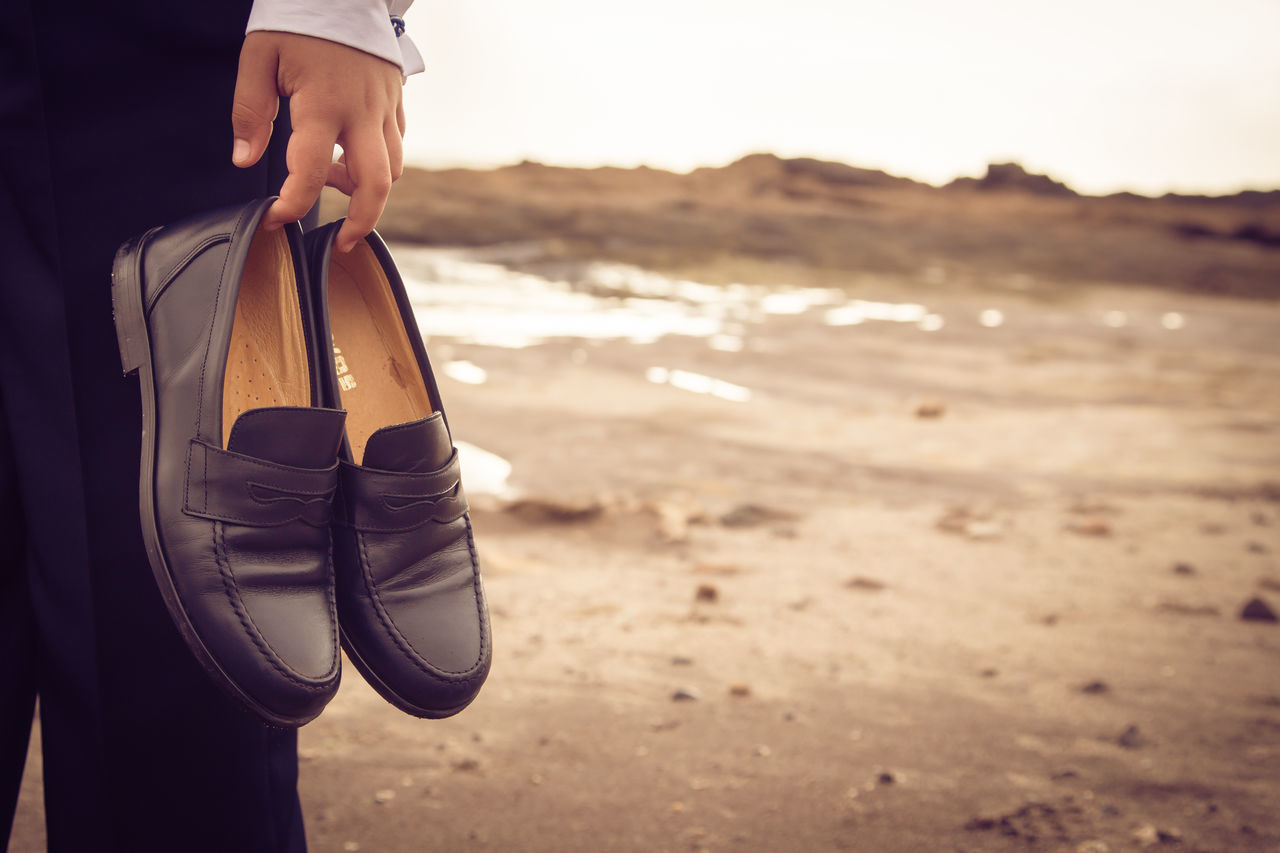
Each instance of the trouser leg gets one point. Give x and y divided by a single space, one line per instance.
142 752
17 638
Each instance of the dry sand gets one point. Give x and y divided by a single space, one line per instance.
975 589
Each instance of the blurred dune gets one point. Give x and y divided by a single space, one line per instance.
827 219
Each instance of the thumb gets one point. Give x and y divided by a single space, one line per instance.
256 100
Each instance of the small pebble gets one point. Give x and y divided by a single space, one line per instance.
384 796
1257 610
1131 738
1257 548
707 593
1091 527
1184 569
886 778
685 694
1095 687
740 690
864 584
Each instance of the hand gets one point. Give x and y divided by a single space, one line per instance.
337 95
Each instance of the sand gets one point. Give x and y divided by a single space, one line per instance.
974 589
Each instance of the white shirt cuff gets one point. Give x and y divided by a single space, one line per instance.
363 24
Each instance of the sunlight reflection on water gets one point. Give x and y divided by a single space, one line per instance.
486 303
698 383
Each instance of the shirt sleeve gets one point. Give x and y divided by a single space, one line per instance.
374 26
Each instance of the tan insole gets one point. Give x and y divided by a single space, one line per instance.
378 374
267 360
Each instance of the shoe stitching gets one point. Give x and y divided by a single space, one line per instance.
168 278
402 643
232 590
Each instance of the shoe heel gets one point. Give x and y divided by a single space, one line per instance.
126 304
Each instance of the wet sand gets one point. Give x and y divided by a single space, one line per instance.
977 588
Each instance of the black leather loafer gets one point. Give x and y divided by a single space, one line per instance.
239 463
411 608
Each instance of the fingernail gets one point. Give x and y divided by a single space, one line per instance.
240 153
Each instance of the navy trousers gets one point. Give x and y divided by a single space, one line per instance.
114 117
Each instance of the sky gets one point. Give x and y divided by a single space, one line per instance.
1137 95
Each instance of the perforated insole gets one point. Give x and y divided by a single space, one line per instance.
267 359
378 374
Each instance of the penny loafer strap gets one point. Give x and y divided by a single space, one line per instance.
393 502
232 487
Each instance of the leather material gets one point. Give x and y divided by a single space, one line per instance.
238 537
411 604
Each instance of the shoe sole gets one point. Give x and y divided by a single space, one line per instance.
390 695
135 356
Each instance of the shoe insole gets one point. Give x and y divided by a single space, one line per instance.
378 374
267 360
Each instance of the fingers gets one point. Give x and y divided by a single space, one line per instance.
340 178
395 150
256 100
308 158
369 170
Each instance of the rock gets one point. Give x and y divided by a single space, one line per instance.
1093 846
1131 738
1149 835
1257 610
1091 527
763 751
932 409
681 660
754 515
384 796
674 518
351 846
466 765
1065 774
706 593
722 569
973 523
685 694
1184 569
550 511
988 672
1094 688
1146 835
1257 548
864 584
740 690
886 778
1012 177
